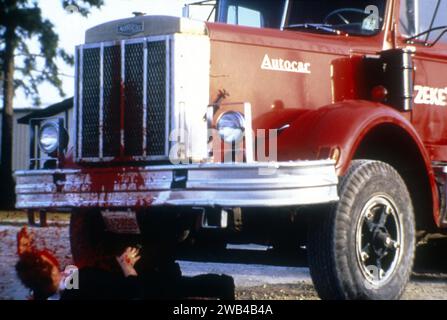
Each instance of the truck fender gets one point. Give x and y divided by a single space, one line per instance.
345 125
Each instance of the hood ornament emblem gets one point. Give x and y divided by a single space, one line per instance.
131 28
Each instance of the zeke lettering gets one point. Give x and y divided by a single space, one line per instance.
431 96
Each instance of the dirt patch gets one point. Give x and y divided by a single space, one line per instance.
433 289
54 238
21 217
299 291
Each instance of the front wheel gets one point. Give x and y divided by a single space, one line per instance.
363 247
91 245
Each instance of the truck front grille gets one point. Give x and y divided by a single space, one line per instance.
122 100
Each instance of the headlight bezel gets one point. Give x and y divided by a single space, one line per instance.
237 124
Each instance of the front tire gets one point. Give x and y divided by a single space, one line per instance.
91 245
363 247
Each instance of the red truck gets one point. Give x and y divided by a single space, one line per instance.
320 124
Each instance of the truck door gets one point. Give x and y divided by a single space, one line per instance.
428 19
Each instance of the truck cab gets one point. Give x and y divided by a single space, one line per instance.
317 124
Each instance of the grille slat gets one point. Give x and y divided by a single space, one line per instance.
156 101
133 134
90 102
144 128
112 81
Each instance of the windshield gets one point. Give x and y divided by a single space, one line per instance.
250 13
357 17
418 17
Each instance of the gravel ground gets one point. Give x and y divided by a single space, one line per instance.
258 282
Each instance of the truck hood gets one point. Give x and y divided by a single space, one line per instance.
144 26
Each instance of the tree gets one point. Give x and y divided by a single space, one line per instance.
20 22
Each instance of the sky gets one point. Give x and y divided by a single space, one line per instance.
71 29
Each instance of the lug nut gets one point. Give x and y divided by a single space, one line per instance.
365 256
388 241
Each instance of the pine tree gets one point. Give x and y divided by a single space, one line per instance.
20 22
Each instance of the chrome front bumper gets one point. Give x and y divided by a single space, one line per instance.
203 185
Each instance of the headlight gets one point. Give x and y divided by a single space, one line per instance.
231 126
49 137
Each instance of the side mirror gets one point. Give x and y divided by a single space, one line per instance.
185 11
202 10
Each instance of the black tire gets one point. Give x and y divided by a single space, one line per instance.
347 241
91 244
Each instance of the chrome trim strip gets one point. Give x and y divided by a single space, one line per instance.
134 158
96 160
172 93
135 41
100 44
157 38
249 142
75 120
290 197
209 123
101 103
183 129
145 74
168 95
81 87
127 41
123 88
314 164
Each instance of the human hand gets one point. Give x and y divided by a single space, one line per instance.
128 260
25 241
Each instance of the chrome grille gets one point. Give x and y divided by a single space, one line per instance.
123 100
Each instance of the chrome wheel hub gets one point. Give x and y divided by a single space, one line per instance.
379 238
